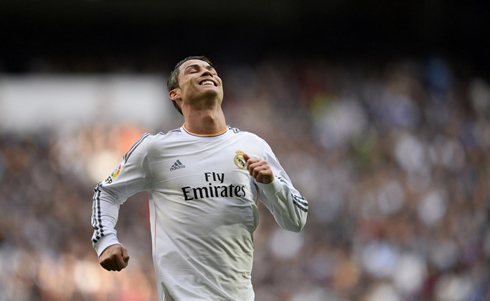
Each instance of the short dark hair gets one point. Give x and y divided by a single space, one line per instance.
173 80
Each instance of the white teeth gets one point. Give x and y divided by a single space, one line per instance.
207 82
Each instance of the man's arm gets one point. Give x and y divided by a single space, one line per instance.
286 204
129 177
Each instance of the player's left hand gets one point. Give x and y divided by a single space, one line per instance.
259 169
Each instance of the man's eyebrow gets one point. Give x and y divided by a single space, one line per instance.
209 67
191 66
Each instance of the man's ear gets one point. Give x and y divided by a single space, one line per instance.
174 94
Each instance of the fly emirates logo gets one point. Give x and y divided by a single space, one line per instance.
215 188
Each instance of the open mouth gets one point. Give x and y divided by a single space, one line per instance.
207 82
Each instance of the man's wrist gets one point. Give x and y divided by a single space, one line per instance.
105 242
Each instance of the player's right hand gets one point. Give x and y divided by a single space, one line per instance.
114 258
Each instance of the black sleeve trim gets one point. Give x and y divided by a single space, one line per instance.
128 154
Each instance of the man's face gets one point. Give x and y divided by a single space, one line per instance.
197 79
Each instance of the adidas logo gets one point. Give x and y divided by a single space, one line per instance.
177 165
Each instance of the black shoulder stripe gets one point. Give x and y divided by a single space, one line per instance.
235 130
128 154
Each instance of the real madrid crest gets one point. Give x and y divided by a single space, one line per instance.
239 160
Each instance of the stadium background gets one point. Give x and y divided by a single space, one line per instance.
379 111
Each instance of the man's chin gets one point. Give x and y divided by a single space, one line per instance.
212 93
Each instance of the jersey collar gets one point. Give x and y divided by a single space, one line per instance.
222 133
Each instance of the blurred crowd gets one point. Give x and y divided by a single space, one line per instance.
393 158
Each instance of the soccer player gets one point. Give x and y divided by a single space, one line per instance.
204 182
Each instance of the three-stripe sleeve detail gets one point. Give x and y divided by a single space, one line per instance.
300 202
131 150
96 215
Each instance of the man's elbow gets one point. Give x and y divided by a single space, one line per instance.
297 226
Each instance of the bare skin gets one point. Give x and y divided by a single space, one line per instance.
201 106
200 103
259 169
114 258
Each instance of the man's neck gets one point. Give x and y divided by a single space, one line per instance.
205 122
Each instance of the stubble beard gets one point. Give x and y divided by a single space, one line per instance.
209 99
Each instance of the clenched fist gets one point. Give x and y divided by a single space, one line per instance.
114 258
259 169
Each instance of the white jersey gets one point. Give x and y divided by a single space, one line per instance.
203 209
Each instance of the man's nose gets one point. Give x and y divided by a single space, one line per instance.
206 72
